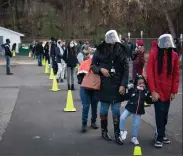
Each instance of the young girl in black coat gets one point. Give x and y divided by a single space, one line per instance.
137 95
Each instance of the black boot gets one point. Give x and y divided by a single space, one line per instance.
93 124
104 123
84 126
116 120
72 87
57 80
69 87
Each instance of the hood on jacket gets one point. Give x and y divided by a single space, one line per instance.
140 43
154 44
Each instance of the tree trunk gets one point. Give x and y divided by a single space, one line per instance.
12 14
169 20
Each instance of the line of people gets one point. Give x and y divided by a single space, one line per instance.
110 61
61 57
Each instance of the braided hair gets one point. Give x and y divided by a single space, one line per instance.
160 60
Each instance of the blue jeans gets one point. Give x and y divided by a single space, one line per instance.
39 60
7 64
115 108
87 99
136 122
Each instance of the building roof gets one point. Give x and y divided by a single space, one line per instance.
11 31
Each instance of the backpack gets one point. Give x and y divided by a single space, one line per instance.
3 49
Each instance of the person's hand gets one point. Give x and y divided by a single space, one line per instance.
130 86
122 90
172 97
155 96
105 72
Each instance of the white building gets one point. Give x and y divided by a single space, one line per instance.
14 37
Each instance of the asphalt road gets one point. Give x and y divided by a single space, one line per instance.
32 121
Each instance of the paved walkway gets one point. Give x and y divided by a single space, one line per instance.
38 125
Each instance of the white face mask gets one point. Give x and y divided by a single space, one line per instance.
91 56
71 45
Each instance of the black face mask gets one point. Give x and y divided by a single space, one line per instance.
58 42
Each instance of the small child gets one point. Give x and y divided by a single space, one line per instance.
137 95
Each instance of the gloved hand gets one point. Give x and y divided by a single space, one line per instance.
130 85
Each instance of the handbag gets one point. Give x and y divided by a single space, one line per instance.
91 81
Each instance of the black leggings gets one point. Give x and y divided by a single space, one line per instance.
161 117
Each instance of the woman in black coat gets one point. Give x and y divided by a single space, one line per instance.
110 62
70 58
46 52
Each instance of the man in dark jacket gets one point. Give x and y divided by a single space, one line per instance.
8 54
111 63
53 55
127 47
40 52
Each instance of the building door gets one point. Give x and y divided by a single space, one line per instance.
1 42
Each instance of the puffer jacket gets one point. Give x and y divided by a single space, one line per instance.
136 99
83 69
7 50
103 57
154 45
162 84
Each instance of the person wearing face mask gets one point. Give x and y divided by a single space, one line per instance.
137 95
111 63
163 81
87 96
63 74
46 52
70 58
53 62
59 54
138 58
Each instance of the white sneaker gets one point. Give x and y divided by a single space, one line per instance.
123 135
135 141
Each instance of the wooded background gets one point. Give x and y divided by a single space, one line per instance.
92 18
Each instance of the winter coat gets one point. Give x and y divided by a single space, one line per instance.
70 58
131 49
127 49
162 84
154 45
46 50
52 50
138 63
58 54
39 49
136 99
102 58
83 69
7 50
